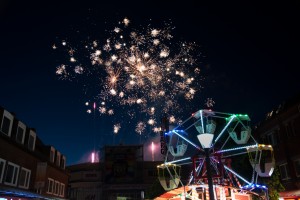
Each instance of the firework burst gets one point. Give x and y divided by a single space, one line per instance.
137 72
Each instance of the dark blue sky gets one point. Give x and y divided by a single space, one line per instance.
250 63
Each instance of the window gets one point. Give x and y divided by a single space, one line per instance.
50 185
297 167
31 140
11 175
290 129
24 178
272 138
284 172
6 123
20 133
2 166
63 162
52 154
56 188
62 190
58 158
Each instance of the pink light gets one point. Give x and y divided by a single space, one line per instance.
94 105
93 157
152 148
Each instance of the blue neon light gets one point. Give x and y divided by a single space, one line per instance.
254 186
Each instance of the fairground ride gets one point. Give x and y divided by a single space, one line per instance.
209 142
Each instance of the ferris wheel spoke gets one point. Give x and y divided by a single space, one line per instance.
233 172
176 161
225 142
187 140
237 148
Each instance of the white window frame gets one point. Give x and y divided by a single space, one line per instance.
23 126
11 118
64 162
27 178
2 172
58 156
33 134
50 190
15 174
62 190
286 171
52 156
56 188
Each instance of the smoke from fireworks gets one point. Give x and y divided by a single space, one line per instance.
138 73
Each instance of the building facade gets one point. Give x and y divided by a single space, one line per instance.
122 174
28 168
85 181
281 129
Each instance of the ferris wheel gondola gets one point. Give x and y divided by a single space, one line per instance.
169 176
176 145
244 129
265 164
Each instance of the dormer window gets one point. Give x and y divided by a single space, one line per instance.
57 158
20 133
63 162
52 154
6 123
31 140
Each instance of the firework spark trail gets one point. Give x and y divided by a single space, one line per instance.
138 71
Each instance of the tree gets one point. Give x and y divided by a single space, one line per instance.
274 185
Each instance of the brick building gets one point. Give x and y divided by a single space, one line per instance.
28 168
122 174
281 129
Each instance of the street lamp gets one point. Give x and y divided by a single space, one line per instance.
206 139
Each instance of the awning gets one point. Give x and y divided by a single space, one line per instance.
12 193
290 194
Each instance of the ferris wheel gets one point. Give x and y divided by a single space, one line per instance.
209 142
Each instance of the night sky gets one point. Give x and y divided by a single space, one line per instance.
249 61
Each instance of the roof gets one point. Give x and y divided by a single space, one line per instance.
290 194
84 166
173 193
